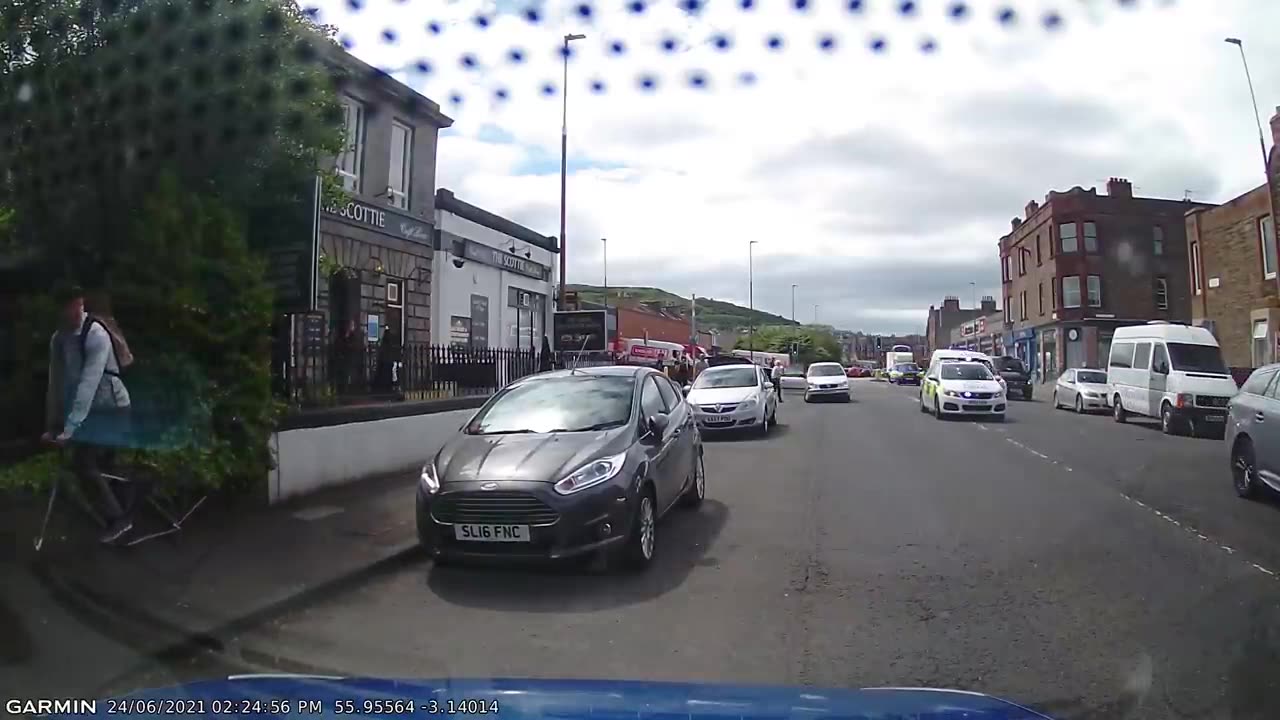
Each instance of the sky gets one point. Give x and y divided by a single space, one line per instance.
874 150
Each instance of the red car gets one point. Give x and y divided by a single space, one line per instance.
857 371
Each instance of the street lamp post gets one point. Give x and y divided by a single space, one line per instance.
604 243
973 287
564 158
751 299
1257 118
793 302
815 314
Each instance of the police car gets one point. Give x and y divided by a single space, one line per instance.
960 383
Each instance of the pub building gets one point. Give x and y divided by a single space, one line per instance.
492 284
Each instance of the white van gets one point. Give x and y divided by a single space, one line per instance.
1172 372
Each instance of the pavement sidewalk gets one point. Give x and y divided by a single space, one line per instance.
226 571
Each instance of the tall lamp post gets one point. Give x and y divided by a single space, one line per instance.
793 302
564 157
751 298
815 314
1257 118
973 287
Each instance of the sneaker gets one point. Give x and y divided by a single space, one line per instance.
115 531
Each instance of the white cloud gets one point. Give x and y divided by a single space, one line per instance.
898 162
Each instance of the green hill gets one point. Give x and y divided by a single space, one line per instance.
712 314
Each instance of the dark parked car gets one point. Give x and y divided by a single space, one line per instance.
563 464
1016 378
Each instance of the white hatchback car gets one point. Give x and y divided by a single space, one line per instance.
954 387
733 397
826 380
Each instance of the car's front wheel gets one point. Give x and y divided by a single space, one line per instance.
1244 469
937 409
1079 405
697 491
642 543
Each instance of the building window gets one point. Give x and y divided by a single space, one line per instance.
1006 268
1071 291
1022 305
1053 294
1039 251
1091 237
401 165
1040 294
1067 234
1157 240
1008 308
1093 285
1267 238
1162 294
1260 344
1195 267
352 157
1022 261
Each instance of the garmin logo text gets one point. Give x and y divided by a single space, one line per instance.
51 706
360 213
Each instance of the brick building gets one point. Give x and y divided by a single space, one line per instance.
1083 264
661 323
948 317
985 334
1234 273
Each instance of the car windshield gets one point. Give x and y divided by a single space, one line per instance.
1091 376
825 370
1009 364
1197 358
746 376
965 371
907 367
567 403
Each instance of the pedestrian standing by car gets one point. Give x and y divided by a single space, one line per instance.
699 365
776 376
87 406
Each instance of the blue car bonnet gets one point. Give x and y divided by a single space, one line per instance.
314 696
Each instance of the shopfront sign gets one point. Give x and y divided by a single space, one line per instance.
579 330
287 235
507 261
382 220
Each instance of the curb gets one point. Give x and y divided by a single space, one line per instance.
115 620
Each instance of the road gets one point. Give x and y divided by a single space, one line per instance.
1089 569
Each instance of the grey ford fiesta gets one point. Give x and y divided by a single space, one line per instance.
563 464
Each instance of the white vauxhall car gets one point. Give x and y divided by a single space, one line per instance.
826 380
733 397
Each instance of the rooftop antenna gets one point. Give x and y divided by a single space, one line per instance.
581 350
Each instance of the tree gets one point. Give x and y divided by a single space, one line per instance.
807 344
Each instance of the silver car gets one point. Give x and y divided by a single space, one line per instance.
734 397
1253 433
1081 389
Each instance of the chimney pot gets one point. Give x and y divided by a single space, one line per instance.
1031 208
1014 223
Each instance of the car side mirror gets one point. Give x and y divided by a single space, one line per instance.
658 425
686 389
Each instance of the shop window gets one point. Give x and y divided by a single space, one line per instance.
344 301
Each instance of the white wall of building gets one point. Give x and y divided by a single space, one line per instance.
452 287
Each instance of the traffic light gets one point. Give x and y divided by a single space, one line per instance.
877 343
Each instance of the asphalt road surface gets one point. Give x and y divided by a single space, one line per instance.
1088 569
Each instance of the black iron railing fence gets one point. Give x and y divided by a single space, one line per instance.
324 374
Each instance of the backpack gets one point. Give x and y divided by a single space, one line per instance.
119 348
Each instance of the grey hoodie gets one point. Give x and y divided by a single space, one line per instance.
82 380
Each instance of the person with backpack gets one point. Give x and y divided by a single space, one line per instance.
87 406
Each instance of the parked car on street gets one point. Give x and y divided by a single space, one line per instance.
1017 380
1081 389
905 374
1253 433
826 380
1172 372
564 463
954 387
734 397
857 371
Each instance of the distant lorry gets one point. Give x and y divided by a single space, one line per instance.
898 354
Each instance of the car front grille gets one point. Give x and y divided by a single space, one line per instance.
1213 401
492 508
717 409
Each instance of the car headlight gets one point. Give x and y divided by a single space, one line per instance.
951 393
591 474
748 403
428 478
